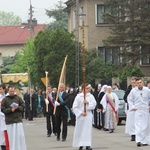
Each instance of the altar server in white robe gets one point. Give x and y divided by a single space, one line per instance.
129 128
148 86
2 119
83 128
138 100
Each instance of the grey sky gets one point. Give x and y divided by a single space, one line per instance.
21 8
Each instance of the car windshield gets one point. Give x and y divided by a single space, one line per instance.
120 94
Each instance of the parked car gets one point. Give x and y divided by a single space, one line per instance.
121 111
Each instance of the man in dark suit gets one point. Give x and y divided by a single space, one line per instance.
62 112
26 98
49 114
32 103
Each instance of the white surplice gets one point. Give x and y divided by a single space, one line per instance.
139 100
2 128
83 128
15 131
130 120
130 127
2 123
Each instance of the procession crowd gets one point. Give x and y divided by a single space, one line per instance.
80 107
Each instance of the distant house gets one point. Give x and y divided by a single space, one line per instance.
13 38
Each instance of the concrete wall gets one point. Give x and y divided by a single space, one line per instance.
9 50
94 34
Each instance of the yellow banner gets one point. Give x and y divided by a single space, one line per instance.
16 77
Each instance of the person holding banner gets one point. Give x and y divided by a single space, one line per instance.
62 112
49 114
110 103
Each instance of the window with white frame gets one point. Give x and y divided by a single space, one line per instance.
81 12
110 54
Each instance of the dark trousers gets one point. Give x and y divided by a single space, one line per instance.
50 123
72 121
30 114
26 114
3 147
62 119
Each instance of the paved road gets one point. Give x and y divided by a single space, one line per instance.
36 139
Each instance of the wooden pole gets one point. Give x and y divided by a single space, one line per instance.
83 59
46 89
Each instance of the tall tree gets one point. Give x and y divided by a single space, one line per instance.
26 60
60 17
8 18
51 49
97 68
131 28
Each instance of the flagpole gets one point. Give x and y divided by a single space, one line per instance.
60 80
46 84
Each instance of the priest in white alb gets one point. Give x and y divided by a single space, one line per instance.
138 100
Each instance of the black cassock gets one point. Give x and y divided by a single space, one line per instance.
99 115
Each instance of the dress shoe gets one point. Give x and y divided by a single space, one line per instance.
88 148
139 144
63 140
111 131
106 129
144 144
132 137
81 148
48 135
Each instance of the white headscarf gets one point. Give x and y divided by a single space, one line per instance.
103 88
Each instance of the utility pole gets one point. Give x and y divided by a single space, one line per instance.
77 71
30 21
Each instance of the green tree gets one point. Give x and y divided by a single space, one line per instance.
60 17
7 64
96 68
131 28
130 71
26 60
8 18
51 49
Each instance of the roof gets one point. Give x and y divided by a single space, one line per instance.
13 35
69 3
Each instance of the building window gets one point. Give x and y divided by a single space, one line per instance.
100 11
145 55
110 54
81 16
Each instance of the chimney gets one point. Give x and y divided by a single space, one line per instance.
34 22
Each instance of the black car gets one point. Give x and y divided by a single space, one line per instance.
121 110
